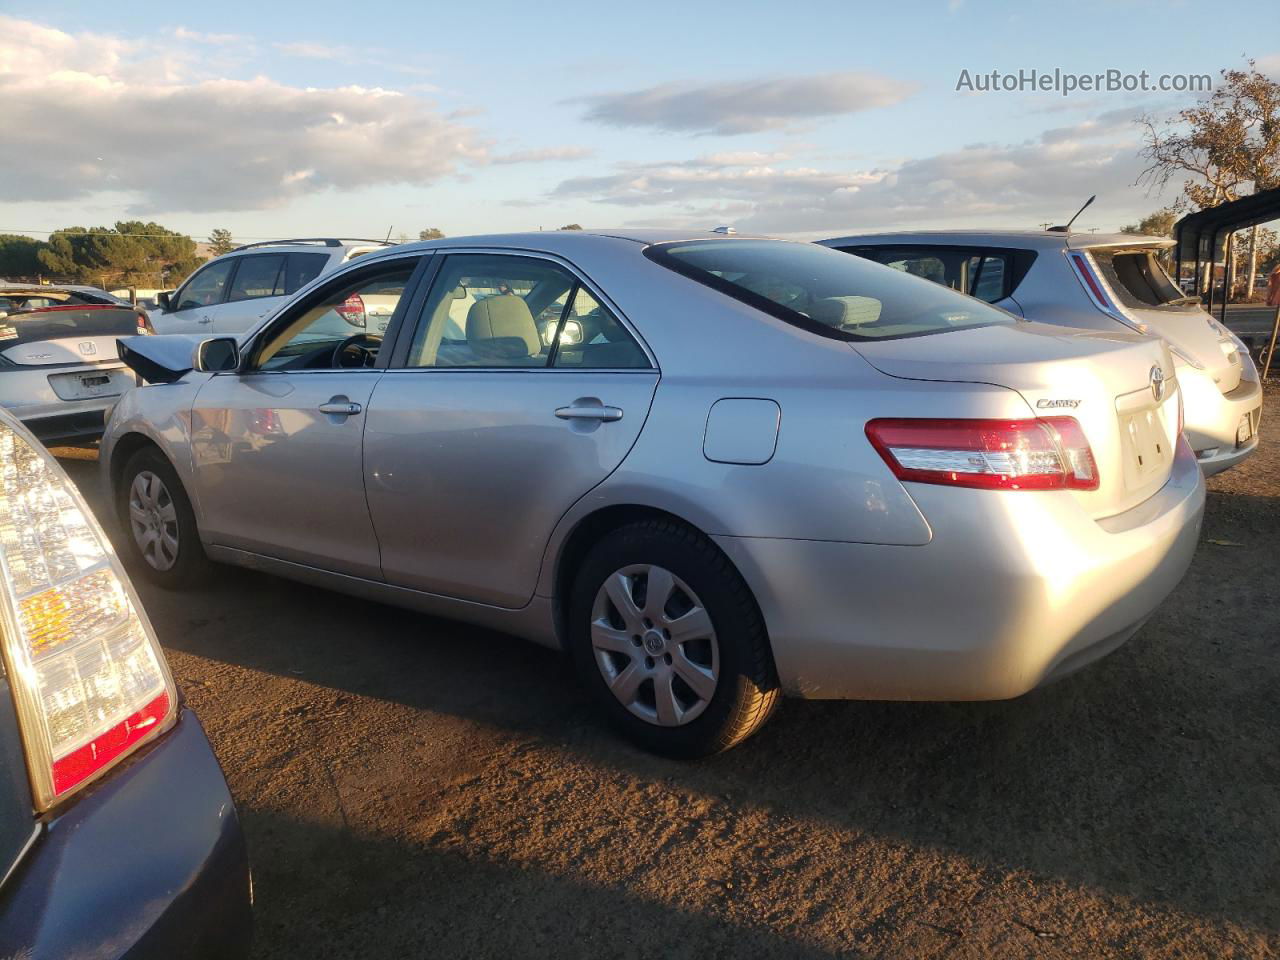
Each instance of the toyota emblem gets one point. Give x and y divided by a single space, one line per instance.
1157 383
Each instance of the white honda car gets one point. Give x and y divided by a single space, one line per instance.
1097 281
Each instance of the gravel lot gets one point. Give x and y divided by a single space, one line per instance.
412 787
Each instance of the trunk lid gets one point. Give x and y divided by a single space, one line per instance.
1102 379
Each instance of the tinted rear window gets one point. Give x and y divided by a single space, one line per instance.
824 290
94 321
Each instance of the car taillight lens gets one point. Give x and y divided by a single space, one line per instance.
89 680
1048 453
352 310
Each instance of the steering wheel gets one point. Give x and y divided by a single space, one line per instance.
357 352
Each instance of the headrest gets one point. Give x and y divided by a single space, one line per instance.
504 317
849 311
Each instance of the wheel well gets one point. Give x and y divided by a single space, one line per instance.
589 531
125 448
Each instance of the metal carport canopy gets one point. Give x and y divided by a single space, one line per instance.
1197 233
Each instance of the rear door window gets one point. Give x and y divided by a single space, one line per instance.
985 274
259 275
301 269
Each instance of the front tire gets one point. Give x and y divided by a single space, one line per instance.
160 534
667 636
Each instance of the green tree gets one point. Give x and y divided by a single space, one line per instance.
130 253
431 233
19 255
220 242
572 226
1158 224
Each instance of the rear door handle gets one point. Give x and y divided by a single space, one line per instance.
589 411
342 408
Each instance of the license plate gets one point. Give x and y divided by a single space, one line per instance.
1244 432
86 386
1148 446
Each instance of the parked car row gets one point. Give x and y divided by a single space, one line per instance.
713 470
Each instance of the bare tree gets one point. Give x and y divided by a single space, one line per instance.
1224 146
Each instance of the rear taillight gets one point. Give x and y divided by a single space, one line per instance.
1049 453
145 327
89 680
352 310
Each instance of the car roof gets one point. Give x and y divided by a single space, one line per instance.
1026 239
310 244
38 288
568 240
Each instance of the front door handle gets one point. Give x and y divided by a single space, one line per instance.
581 410
205 320
341 408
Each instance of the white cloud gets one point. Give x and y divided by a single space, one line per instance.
747 106
543 155
126 118
979 184
217 39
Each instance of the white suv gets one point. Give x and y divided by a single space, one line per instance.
231 293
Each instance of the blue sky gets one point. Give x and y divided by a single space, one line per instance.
807 119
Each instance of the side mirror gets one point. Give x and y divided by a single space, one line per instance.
162 298
216 355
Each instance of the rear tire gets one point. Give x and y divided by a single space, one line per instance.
161 540
668 638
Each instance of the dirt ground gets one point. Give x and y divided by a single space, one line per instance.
412 787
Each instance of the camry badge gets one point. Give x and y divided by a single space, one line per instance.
1054 404
1157 383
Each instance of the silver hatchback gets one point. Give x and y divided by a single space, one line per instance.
712 469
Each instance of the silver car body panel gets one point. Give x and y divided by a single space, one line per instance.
1220 383
847 563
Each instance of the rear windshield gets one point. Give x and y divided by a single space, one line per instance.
824 290
1139 279
46 324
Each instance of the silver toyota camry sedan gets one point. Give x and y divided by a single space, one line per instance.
713 469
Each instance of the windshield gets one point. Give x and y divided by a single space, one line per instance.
826 291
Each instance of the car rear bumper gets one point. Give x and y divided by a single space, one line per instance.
149 864
30 397
1013 590
1213 419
